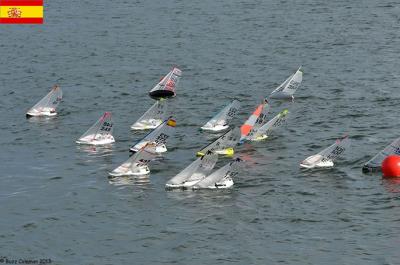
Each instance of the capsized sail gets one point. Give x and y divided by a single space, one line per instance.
266 129
221 121
222 145
289 87
326 157
137 164
193 173
255 121
153 117
221 178
47 105
158 136
166 87
100 133
374 164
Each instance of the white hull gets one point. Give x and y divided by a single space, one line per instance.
139 171
146 125
159 148
226 184
316 162
90 141
41 113
184 185
217 128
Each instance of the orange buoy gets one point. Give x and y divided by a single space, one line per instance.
391 166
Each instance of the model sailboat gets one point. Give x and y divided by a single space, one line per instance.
137 164
221 178
223 145
374 164
193 173
47 105
287 89
255 121
166 87
262 132
158 136
220 121
153 117
100 133
326 157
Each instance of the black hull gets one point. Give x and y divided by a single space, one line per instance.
28 116
367 169
159 94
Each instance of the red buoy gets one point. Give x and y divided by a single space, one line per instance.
391 166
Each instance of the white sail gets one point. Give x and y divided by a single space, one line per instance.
223 144
272 124
255 121
100 133
326 157
47 105
153 117
221 121
166 87
375 162
289 87
137 164
222 178
195 172
158 136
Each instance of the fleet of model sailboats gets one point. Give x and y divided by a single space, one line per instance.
198 174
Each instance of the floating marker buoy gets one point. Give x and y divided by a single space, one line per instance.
391 166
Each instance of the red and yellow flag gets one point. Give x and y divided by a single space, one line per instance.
21 11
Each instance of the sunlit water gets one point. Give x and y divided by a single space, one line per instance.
58 202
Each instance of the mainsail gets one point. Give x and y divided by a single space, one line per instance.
193 173
153 117
100 132
158 136
226 141
220 176
375 162
328 155
47 105
265 130
137 163
289 87
224 116
166 87
255 121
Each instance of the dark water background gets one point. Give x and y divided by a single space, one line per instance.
57 202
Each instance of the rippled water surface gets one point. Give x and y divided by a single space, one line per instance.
57 201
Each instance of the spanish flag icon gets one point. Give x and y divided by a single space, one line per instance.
21 11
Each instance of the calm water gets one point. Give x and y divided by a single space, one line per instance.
57 202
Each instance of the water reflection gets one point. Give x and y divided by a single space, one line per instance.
392 185
141 181
104 150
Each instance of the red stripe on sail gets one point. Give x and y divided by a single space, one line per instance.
21 20
21 2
